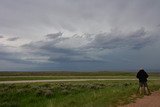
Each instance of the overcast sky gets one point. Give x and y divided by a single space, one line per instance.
79 35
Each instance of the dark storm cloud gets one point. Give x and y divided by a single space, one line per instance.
136 40
132 40
11 60
49 48
11 57
13 39
6 54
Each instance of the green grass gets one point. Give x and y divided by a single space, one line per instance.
70 94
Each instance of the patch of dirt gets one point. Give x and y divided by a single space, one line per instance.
147 101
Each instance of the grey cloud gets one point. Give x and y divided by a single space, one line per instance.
55 49
63 59
54 35
11 56
56 54
138 39
11 60
134 40
49 49
32 45
13 39
96 43
80 16
1 36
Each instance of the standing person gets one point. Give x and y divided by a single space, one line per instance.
142 76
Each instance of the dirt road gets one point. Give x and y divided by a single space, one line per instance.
65 80
148 101
61 80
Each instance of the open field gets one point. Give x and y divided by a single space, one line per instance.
90 93
16 76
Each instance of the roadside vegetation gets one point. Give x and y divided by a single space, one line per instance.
71 94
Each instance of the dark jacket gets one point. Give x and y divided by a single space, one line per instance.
142 76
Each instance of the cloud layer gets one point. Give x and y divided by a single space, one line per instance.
79 35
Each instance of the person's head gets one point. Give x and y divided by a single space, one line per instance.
141 68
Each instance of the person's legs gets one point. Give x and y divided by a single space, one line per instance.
140 87
143 88
138 90
147 91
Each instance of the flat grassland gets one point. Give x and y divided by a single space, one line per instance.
71 93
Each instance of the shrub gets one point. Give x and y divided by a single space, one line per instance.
44 92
